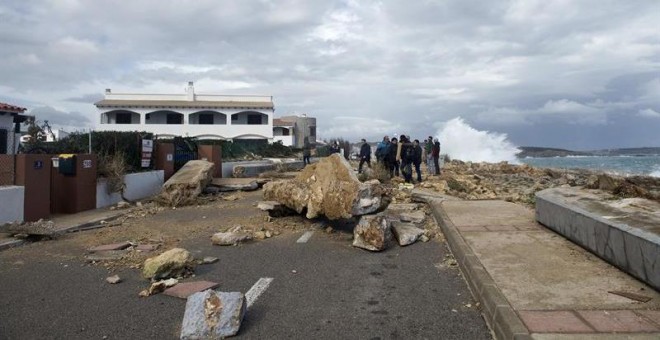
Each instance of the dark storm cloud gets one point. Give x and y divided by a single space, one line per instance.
527 68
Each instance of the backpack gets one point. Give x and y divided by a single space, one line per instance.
408 152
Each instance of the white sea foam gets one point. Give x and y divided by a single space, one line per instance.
461 141
655 173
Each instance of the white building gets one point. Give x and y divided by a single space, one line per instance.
10 118
189 114
294 130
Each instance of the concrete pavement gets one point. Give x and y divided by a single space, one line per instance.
535 284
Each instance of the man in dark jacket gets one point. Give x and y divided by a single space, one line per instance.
407 158
392 164
365 155
436 156
417 159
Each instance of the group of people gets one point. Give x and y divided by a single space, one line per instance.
399 156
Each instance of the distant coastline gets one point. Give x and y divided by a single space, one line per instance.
542 152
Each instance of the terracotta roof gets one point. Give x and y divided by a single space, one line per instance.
4 107
183 104
279 122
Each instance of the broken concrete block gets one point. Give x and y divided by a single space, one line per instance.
213 315
114 279
159 287
413 216
230 238
184 290
329 188
372 233
406 233
187 183
173 262
113 246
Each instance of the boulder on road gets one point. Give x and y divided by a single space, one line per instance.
373 232
187 183
171 263
213 315
329 188
406 233
230 238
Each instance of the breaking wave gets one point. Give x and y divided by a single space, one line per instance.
461 141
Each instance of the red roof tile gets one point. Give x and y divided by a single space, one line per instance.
4 107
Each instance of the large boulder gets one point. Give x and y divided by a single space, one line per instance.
373 232
187 183
328 187
213 315
171 263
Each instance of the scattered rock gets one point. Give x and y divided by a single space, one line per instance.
259 235
187 183
269 234
414 217
213 315
174 262
230 238
159 287
209 260
328 187
372 233
123 205
406 233
329 230
113 279
424 238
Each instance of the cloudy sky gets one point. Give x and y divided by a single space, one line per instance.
578 74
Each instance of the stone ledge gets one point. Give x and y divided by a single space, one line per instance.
624 236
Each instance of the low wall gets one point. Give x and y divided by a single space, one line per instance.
138 186
11 208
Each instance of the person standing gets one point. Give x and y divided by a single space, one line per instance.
406 154
417 159
307 152
436 156
392 165
428 147
335 147
381 150
365 155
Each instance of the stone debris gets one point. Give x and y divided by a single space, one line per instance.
259 235
403 207
187 183
172 263
113 279
424 238
406 233
373 232
185 289
413 217
159 287
213 315
329 188
123 205
230 238
209 260
275 209
108 247
39 228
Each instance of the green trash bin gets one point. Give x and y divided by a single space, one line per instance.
67 164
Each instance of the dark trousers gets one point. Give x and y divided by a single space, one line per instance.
419 171
306 160
406 170
362 161
436 164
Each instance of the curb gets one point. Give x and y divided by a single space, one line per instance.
11 243
498 313
94 224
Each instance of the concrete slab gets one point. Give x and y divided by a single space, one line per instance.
113 246
488 213
185 289
624 232
235 184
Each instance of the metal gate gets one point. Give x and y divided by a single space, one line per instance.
185 149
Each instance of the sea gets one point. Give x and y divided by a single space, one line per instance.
461 141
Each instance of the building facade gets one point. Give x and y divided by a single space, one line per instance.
10 119
294 130
189 114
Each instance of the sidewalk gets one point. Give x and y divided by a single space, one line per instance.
533 283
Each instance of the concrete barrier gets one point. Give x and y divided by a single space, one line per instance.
623 232
138 186
254 168
11 208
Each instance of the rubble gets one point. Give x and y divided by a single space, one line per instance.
328 187
274 208
213 315
230 238
234 184
413 217
373 232
187 183
172 263
185 289
406 233
159 287
113 279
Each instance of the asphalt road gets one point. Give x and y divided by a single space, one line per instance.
323 289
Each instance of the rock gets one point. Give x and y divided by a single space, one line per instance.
159 287
213 315
113 279
403 207
209 260
414 217
406 233
230 238
123 205
372 233
329 230
328 187
171 263
187 183
259 235
424 238
269 234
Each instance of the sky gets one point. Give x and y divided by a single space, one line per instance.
577 74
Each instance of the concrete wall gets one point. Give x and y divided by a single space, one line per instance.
138 186
11 209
